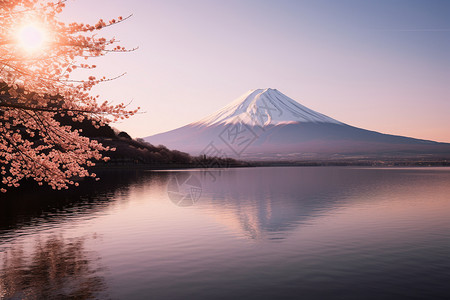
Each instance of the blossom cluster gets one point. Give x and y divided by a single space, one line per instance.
37 87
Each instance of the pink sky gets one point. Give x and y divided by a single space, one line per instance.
381 66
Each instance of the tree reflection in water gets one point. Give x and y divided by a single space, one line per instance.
56 268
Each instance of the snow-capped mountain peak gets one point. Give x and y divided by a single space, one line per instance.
264 107
265 124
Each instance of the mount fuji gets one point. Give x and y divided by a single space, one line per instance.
265 124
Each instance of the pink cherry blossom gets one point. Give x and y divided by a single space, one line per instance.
37 86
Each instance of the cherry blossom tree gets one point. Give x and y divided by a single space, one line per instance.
38 54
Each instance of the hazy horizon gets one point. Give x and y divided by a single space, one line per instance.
381 66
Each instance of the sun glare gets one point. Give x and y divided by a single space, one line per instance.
31 37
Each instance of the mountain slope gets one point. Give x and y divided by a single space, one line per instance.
265 124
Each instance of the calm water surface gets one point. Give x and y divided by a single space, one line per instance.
257 233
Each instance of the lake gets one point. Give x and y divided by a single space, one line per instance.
244 233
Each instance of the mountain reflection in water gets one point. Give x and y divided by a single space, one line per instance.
250 233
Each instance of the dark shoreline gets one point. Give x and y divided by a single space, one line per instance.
253 164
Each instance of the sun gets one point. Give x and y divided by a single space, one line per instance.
32 37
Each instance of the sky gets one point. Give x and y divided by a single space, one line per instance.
379 65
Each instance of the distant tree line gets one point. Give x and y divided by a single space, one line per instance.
137 151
